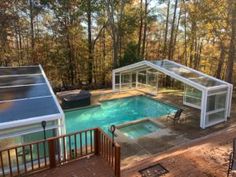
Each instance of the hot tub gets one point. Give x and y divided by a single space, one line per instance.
139 129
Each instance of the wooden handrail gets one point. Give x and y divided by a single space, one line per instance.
41 141
58 150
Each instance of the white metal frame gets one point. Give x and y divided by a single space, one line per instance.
187 103
205 90
34 120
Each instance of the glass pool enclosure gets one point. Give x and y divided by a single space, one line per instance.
27 99
211 95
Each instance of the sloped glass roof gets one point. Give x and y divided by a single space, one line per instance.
24 94
188 73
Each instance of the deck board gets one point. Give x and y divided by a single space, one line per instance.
94 166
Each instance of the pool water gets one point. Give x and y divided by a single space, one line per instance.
115 112
139 129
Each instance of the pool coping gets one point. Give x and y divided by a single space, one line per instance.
84 107
138 121
162 132
102 101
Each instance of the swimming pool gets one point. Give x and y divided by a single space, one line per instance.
115 112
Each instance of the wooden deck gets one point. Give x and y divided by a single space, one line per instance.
75 154
87 167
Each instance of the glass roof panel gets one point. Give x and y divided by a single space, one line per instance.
188 73
13 93
206 81
24 94
20 70
21 80
25 109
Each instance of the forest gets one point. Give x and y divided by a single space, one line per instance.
79 42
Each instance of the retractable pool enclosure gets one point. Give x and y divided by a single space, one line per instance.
211 95
27 99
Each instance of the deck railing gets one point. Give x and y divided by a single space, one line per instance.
40 155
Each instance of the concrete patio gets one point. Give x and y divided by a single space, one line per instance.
184 131
205 157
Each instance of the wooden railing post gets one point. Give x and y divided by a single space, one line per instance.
97 141
52 153
117 161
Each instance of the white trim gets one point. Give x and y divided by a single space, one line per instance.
29 121
50 88
215 111
62 115
17 75
203 109
217 93
25 132
229 99
28 66
217 87
141 63
22 99
25 85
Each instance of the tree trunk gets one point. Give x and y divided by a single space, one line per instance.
119 30
114 33
193 38
32 31
140 28
166 29
172 32
90 45
221 61
70 56
232 52
176 34
103 56
185 35
144 29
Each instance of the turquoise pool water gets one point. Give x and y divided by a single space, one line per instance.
139 129
115 112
